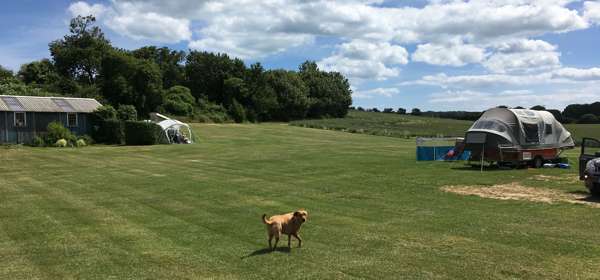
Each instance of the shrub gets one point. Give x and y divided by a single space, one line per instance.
56 131
61 143
142 133
127 113
105 112
88 140
109 132
38 142
237 112
81 143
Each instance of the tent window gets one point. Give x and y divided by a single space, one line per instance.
531 133
548 129
490 125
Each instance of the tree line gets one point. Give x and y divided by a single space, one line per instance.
574 113
196 84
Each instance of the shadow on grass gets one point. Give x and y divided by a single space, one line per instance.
267 251
478 168
588 198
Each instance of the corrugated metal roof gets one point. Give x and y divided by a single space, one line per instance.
52 104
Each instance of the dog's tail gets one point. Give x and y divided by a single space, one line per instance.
264 219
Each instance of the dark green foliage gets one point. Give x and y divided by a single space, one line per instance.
127 113
538 108
168 62
127 80
56 131
292 95
39 72
105 112
179 101
109 131
237 112
38 141
401 111
18 88
78 55
388 110
5 75
206 73
142 133
577 111
329 91
416 112
588 119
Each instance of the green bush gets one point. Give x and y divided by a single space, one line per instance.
105 112
81 143
109 132
237 112
127 113
56 131
88 139
38 142
142 133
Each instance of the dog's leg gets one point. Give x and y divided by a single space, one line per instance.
289 241
299 239
270 238
277 235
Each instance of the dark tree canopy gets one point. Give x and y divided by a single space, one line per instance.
79 54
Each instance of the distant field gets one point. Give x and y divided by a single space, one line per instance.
390 125
403 126
193 212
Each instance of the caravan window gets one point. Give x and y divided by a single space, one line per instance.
532 134
548 129
490 125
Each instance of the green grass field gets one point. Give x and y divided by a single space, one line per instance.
193 211
404 126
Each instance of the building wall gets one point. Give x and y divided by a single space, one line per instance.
36 124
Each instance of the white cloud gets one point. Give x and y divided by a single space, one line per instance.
576 74
81 8
360 59
368 94
481 100
448 54
127 20
591 11
523 56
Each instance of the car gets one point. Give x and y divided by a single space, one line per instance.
589 165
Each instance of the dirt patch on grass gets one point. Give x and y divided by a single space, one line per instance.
516 191
550 178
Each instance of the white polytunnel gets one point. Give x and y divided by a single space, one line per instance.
176 132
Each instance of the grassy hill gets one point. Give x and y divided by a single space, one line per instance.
193 211
395 125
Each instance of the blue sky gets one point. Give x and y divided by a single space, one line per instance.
434 55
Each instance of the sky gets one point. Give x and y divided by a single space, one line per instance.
427 54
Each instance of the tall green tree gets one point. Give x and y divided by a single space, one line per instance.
292 95
6 75
40 72
329 92
127 80
79 54
206 73
169 61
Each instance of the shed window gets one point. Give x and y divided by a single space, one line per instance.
20 119
72 120
548 129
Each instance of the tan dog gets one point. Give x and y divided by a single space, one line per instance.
289 224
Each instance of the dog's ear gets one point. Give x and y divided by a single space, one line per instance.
297 213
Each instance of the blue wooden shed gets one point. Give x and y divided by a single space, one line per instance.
24 117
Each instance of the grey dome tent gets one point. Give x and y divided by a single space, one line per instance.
517 135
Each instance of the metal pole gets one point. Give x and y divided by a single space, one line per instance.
482 152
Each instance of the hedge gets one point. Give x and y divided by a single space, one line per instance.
142 133
108 132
